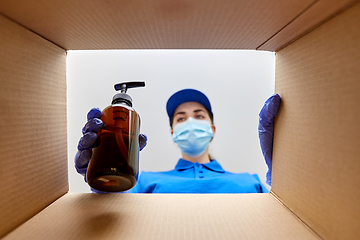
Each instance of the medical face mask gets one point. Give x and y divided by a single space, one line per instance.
193 136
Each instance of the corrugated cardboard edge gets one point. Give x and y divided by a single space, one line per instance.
36 214
271 45
273 194
285 26
30 30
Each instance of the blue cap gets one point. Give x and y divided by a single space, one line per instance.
186 95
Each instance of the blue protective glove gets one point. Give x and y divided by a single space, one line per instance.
266 130
86 142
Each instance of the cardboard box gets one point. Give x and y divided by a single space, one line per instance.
316 181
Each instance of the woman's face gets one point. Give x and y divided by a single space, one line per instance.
190 109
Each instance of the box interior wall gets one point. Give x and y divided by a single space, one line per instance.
315 176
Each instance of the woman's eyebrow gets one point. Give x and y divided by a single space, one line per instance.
199 110
179 113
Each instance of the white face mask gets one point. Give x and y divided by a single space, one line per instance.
193 136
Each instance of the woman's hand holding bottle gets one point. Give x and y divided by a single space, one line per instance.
93 125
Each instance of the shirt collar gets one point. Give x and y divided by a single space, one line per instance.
213 165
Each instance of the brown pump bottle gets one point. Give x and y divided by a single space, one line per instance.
114 165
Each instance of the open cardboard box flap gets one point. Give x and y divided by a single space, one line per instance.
164 216
316 183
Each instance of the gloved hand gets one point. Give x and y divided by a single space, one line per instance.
86 142
266 130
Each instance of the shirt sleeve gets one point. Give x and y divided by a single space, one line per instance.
262 188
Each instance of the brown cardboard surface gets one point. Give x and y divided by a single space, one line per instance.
164 216
316 141
156 24
316 14
33 152
316 150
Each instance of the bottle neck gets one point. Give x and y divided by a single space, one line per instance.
121 101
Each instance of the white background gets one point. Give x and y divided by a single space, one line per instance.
237 82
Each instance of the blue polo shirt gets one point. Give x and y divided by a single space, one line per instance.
189 177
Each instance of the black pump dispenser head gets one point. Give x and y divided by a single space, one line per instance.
123 97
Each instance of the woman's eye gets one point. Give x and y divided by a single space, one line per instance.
180 119
199 116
